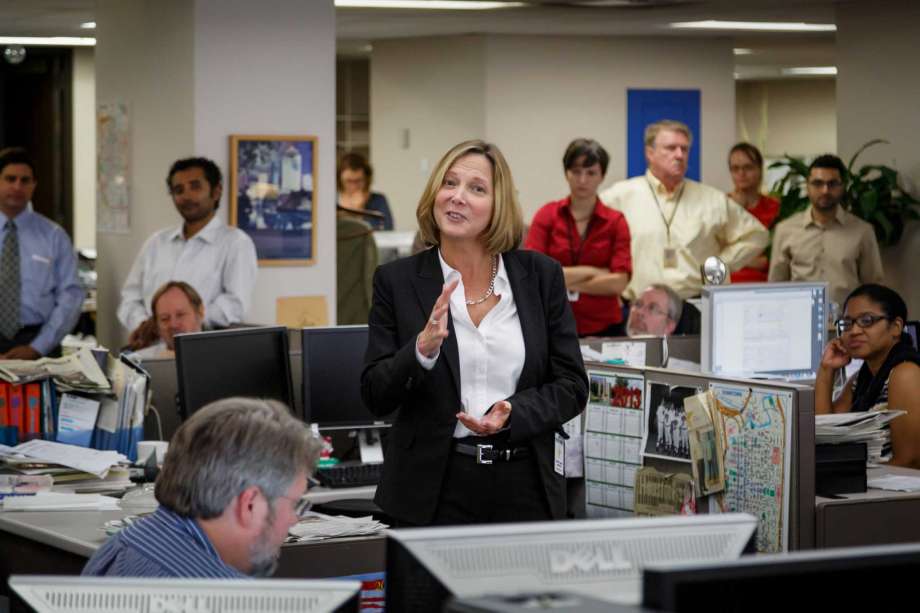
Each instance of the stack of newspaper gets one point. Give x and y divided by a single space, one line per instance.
317 527
868 427
75 372
72 468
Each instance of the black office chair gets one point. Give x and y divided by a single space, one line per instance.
691 320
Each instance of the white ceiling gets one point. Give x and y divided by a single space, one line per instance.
355 28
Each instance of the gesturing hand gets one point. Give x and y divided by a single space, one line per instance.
435 330
493 421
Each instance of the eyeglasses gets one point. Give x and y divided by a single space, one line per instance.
649 307
300 504
819 184
866 320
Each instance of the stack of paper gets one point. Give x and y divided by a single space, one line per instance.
73 469
317 526
75 372
868 427
53 501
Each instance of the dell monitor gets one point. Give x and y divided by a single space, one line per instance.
601 558
764 330
54 594
251 362
879 578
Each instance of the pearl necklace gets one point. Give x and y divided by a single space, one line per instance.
491 289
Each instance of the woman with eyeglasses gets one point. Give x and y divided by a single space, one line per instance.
872 329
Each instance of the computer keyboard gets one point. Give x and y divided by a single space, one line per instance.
349 474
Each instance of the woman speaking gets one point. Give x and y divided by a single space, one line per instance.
475 343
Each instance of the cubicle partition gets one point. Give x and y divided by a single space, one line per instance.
767 434
653 350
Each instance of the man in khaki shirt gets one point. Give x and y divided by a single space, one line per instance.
825 242
676 223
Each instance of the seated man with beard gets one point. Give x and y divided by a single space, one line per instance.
230 488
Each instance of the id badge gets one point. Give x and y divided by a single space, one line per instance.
559 455
573 296
670 257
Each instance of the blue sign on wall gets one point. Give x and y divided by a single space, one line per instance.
645 106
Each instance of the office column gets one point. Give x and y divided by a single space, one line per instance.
192 73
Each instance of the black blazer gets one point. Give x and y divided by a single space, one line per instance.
552 388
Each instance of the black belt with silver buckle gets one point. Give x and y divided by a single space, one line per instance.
487 454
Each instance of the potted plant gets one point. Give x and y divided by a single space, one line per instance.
872 193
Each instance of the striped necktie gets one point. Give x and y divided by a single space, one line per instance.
10 283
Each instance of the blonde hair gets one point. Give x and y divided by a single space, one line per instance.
652 130
506 225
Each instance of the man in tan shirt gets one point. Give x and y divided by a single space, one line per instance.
825 242
676 223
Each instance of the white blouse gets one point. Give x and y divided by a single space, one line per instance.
491 356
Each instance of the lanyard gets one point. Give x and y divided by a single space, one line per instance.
576 255
667 222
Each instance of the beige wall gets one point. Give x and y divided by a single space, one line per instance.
877 94
531 95
149 69
84 148
426 96
791 116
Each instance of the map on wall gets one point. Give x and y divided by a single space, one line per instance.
756 433
112 156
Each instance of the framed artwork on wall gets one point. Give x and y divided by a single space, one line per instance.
272 196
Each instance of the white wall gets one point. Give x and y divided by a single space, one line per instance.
269 68
543 91
790 116
84 148
431 92
150 69
877 94
531 95
207 70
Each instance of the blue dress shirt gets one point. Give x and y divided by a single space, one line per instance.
52 296
164 544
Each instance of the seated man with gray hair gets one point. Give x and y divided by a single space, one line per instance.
230 488
656 312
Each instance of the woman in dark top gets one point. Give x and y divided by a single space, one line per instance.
474 341
354 183
872 329
589 239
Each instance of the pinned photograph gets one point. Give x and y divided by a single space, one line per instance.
666 432
705 444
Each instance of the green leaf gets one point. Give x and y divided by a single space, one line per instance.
871 143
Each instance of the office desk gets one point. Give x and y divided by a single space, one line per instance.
874 517
60 542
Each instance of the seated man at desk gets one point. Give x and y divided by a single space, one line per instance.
225 509
177 309
656 312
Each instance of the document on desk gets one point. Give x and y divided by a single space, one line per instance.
630 353
895 483
91 461
54 501
318 526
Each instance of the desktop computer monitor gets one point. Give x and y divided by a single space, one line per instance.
54 594
602 558
333 359
250 362
764 330
879 578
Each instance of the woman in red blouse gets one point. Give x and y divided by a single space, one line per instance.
590 240
746 166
